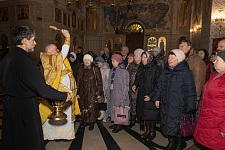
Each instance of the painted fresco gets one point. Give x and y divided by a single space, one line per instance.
151 15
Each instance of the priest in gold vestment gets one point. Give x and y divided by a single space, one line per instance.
58 74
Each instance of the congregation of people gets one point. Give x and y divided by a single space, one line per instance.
157 89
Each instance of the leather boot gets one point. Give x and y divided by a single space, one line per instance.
132 121
147 131
181 144
112 126
117 128
172 143
91 127
152 133
141 124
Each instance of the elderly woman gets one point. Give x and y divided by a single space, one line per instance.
132 69
119 87
89 88
146 80
104 68
210 129
175 95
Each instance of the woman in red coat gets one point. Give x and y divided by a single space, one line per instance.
210 129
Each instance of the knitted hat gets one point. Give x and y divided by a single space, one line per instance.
138 51
74 55
157 49
101 52
179 54
100 59
221 54
117 57
88 56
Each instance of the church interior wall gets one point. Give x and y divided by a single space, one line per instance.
171 19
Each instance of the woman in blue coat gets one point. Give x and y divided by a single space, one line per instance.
175 95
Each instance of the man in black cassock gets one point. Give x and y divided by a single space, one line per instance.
22 82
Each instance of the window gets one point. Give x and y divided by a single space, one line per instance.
135 28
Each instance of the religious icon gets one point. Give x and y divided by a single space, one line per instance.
109 43
118 44
22 12
162 45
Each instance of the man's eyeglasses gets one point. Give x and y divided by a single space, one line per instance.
71 56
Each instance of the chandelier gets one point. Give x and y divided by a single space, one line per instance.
130 12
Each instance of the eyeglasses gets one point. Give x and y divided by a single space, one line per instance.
72 56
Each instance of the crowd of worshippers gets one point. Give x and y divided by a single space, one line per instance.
155 89
158 91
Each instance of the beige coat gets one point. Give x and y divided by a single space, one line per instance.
198 68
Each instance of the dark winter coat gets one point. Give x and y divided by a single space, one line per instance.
160 61
108 59
80 57
132 69
22 82
177 94
145 81
89 86
211 120
75 66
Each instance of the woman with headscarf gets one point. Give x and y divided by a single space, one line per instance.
119 87
210 128
175 95
104 68
145 82
89 88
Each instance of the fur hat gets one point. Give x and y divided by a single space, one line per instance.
88 56
100 59
138 51
117 57
221 54
157 49
179 54
74 55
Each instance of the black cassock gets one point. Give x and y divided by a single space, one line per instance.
22 82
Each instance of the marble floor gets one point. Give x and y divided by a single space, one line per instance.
102 138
